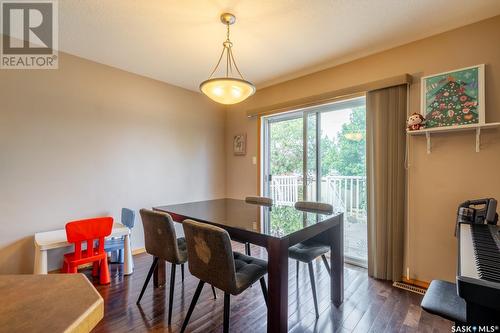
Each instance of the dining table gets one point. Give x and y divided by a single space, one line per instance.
276 228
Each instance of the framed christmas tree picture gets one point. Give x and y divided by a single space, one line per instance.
454 98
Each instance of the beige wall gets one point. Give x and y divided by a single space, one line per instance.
87 140
438 182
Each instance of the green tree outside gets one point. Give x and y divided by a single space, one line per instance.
347 156
344 155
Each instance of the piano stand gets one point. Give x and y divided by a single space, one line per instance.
480 315
441 299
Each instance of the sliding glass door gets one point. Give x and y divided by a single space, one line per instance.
284 158
318 154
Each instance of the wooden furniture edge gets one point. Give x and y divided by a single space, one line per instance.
90 318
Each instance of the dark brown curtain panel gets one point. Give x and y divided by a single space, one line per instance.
386 111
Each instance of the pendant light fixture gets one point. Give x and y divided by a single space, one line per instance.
227 89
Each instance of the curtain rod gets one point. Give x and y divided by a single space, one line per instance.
330 96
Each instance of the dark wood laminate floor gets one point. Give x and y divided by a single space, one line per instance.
370 305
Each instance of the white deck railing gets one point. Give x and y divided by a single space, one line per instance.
345 193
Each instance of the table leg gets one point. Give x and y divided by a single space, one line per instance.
337 262
159 276
40 266
128 262
277 312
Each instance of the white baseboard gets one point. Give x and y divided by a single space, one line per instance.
138 251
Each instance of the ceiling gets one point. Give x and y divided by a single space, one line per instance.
179 42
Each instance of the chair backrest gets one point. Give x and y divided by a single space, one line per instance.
210 255
128 217
159 235
316 207
88 231
259 201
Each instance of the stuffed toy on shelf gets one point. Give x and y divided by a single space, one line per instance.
416 122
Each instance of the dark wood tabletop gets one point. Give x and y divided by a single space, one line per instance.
276 228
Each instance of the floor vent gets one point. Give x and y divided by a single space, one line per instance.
409 287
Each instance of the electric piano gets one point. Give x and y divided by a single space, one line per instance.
478 276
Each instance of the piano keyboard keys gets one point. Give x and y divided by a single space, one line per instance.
486 251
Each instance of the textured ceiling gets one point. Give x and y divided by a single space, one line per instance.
179 41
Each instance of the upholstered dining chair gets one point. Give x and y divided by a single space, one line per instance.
212 260
309 250
262 201
161 242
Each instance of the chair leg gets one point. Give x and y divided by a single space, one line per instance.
72 269
95 268
326 264
313 287
247 249
171 296
213 291
227 308
182 272
65 267
113 256
150 273
104 277
264 289
193 304
297 270
120 256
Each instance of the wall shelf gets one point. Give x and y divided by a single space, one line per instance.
437 130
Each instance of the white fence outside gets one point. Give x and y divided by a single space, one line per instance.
285 189
346 193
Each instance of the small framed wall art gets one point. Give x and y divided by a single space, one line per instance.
240 144
453 98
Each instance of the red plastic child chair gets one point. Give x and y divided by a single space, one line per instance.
88 231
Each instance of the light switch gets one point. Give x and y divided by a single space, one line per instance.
254 160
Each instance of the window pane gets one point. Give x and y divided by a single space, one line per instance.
335 139
286 160
343 173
